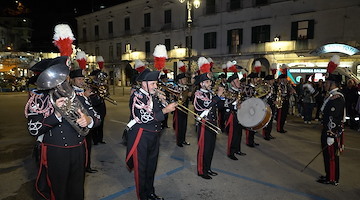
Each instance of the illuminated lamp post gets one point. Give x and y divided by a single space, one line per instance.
190 4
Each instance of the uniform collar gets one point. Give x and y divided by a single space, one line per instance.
143 91
333 90
235 89
203 90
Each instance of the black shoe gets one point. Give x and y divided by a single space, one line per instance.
267 138
153 196
103 142
240 153
185 143
205 176
96 143
89 170
212 173
271 137
179 145
250 145
232 157
282 131
256 144
322 177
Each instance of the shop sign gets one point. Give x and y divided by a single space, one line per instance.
335 48
307 70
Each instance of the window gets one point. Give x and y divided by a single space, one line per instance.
118 50
147 48
110 27
127 47
147 20
84 33
235 4
210 7
127 23
260 34
302 30
97 31
167 15
167 44
261 2
210 40
234 40
111 52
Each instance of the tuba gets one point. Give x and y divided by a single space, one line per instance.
55 79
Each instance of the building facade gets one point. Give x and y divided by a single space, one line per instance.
299 33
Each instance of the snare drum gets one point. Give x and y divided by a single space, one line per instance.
254 113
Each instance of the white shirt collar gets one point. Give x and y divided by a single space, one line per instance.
333 90
203 90
235 89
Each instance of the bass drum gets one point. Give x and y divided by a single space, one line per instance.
254 114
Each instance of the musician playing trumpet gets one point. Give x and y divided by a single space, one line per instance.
147 113
205 103
180 116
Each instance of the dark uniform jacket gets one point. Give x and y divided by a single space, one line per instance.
205 100
42 120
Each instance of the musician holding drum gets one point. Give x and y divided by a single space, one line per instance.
269 99
233 100
63 119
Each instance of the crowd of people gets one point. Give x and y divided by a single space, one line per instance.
66 115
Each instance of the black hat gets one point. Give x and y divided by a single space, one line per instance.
201 78
76 73
222 76
232 77
95 72
269 77
148 75
334 77
180 76
46 63
282 76
162 76
253 75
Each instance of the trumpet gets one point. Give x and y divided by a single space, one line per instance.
99 88
184 109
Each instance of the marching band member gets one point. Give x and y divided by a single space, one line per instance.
233 126
282 112
332 134
249 91
180 116
147 113
221 109
269 99
205 105
63 151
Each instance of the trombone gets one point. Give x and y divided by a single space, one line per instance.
184 109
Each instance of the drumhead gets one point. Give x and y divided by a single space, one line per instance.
252 112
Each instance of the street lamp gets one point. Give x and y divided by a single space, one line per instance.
189 6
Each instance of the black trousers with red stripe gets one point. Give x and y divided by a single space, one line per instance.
206 143
66 172
147 158
331 158
281 116
180 126
234 138
267 129
250 137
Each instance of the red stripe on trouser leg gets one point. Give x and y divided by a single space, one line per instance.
263 132
136 173
331 163
201 150
230 123
278 120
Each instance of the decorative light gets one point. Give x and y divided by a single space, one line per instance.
196 3
182 1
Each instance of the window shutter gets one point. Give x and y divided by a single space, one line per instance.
310 34
294 30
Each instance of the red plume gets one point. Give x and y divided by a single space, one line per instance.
160 56
204 65
334 62
63 39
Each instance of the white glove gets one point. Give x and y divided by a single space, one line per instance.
330 141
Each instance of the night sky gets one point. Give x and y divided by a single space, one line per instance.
46 14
